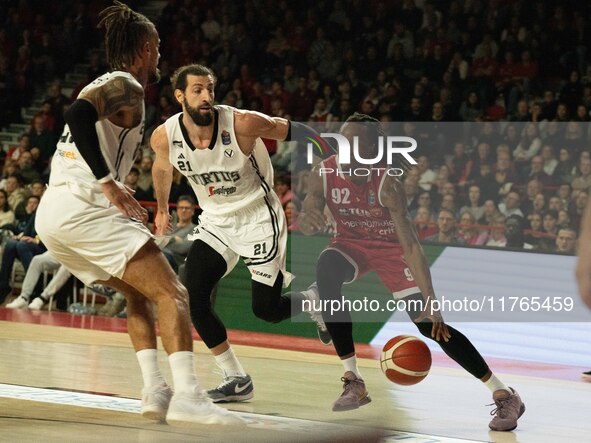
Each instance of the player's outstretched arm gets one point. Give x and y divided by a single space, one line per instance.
583 271
250 125
311 219
162 178
120 99
394 198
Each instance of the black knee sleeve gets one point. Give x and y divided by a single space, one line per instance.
204 268
267 302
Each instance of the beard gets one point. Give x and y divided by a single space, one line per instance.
197 116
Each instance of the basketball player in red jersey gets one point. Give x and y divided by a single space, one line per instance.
377 234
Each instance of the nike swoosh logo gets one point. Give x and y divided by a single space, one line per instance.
238 389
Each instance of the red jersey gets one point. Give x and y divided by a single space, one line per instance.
356 209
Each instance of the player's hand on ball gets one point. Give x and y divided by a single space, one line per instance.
121 197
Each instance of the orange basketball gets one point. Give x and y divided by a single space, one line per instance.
405 360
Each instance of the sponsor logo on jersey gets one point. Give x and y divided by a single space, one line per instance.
208 178
376 212
261 274
181 157
223 191
346 212
229 153
371 198
70 155
226 140
177 144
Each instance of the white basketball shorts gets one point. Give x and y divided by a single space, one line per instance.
257 233
87 234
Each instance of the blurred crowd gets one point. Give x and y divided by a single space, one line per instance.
517 71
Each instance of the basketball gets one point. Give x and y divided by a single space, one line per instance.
405 360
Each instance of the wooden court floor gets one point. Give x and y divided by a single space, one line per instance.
61 384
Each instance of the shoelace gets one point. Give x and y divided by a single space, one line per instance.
500 407
227 381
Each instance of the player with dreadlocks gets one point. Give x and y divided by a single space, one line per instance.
91 223
374 233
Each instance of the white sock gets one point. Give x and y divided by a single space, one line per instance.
494 384
350 364
229 364
182 367
148 360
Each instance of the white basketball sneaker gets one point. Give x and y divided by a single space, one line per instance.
18 303
155 402
188 410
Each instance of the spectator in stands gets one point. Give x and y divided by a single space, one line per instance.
6 214
23 246
14 152
514 233
528 146
503 168
549 159
57 100
583 179
145 181
534 233
550 229
131 182
577 208
424 201
496 234
424 223
27 169
511 137
555 203
536 172
474 206
41 263
468 230
566 240
427 175
511 205
459 164
177 249
16 192
534 187
282 189
447 234
563 217
480 157
566 169
471 109
40 137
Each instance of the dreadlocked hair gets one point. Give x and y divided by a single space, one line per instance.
125 33
375 131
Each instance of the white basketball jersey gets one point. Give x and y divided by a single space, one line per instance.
119 147
223 178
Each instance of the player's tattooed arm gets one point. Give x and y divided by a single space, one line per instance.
312 220
120 99
394 198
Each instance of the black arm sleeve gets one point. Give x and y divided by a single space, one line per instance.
81 117
302 131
